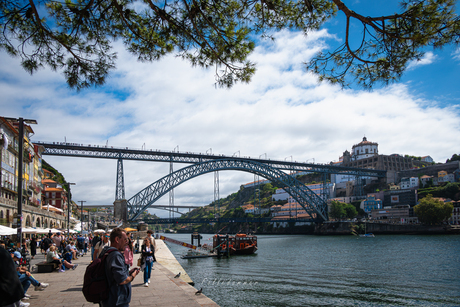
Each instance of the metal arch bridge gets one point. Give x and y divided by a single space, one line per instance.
270 169
312 203
106 152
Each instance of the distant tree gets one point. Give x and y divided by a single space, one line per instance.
77 35
350 210
432 211
337 210
455 157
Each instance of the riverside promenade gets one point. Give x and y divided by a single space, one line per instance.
164 290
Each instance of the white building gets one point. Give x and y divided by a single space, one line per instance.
427 159
408 183
364 149
317 188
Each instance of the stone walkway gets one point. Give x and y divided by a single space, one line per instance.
164 290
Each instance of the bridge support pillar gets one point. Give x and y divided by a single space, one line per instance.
120 209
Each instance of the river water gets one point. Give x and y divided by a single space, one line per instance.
295 270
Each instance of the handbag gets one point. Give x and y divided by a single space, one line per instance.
139 262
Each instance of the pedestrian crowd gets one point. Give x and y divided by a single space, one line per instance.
16 279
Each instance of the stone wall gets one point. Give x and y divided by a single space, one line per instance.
31 215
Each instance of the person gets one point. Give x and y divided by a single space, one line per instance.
129 253
94 242
86 244
33 247
11 291
117 273
71 247
147 260
25 277
100 245
80 244
46 243
53 257
152 239
57 239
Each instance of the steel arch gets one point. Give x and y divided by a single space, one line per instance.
312 203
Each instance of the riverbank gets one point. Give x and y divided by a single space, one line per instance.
344 228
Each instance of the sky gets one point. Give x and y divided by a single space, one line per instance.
283 113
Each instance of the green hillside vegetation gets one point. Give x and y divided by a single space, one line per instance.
230 206
450 190
58 177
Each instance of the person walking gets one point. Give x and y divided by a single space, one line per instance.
100 245
33 247
129 253
118 276
152 239
94 242
148 256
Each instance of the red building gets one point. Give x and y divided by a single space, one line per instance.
55 195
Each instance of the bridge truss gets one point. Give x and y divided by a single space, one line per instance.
312 203
273 170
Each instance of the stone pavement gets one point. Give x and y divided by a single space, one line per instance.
164 290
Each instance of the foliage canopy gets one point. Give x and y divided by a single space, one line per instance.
340 210
77 35
432 211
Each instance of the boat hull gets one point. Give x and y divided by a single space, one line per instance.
245 251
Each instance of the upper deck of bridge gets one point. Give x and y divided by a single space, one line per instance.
125 153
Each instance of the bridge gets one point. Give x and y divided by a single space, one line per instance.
199 164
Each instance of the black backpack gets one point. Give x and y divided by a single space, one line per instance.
95 285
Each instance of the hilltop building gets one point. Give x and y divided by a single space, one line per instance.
366 155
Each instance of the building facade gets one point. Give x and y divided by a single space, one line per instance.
32 212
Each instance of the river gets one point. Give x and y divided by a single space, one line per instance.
296 270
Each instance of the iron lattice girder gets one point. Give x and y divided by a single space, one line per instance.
223 220
105 152
312 203
120 189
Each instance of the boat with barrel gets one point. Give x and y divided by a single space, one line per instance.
239 244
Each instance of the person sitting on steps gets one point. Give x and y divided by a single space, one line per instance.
25 277
53 257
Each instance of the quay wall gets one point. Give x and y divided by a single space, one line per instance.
344 228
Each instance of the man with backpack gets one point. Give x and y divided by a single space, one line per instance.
118 277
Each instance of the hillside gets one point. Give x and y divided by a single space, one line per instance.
231 207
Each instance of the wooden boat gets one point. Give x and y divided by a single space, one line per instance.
240 244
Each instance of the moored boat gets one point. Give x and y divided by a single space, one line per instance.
367 235
240 244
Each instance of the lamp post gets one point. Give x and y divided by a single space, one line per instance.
21 122
68 184
81 214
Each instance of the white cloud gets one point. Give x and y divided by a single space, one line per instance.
283 112
428 58
456 54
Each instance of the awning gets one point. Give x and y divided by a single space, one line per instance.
7 231
29 230
52 208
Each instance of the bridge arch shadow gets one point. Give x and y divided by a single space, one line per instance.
312 203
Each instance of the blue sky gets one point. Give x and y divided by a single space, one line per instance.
283 112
